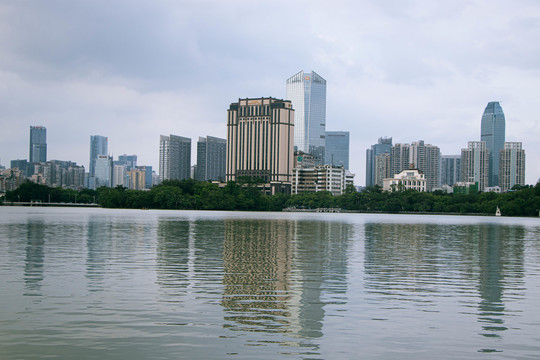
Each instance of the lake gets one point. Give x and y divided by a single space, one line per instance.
141 284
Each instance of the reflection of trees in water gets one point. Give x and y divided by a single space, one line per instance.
405 260
33 267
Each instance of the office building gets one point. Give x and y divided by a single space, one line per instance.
307 92
511 166
174 157
333 179
450 169
260 135
211 159
119 177
148 178
136 179
21 165
38 144
103 171
129 160
493 134
58 173
98 146
475 164
383 168
337 148
383 146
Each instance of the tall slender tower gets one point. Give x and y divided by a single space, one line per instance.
98 146
38 144
307 92
493 133
383 146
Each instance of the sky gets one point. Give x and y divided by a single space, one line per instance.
135 70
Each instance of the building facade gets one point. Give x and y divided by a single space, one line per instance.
511 166
98 146
493 134
337 148
307 92
260 136
383 167
103 171
383 146
333 179
130 161
475 164
411 179
174 158
38 144
211 159
450 169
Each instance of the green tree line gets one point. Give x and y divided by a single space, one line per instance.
245 195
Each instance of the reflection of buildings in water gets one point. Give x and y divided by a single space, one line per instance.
257 259
404 260
188 252
33 268
399 258
109 239
500 261
277 272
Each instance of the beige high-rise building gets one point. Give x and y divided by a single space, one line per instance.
511 166
260 140
475 164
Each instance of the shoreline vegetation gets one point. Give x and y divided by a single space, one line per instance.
244 195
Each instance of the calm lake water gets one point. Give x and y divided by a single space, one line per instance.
127 284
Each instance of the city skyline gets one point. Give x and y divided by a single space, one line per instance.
134 73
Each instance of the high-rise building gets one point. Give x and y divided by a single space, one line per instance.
511 166
400 158
129 160
418 155
383 168
450 169
119 176
383 146
493 134
307 92
148 180
174 157
260 135
211 159
475 164
38 144
136 179
337 148
103 171
98 146
22 165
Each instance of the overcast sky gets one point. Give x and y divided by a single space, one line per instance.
134 70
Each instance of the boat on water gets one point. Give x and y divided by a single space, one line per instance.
498 212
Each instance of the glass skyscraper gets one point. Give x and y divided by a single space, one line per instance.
98 146
337 148
383 146
493 133
307 92
174 157
211 158
38 144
